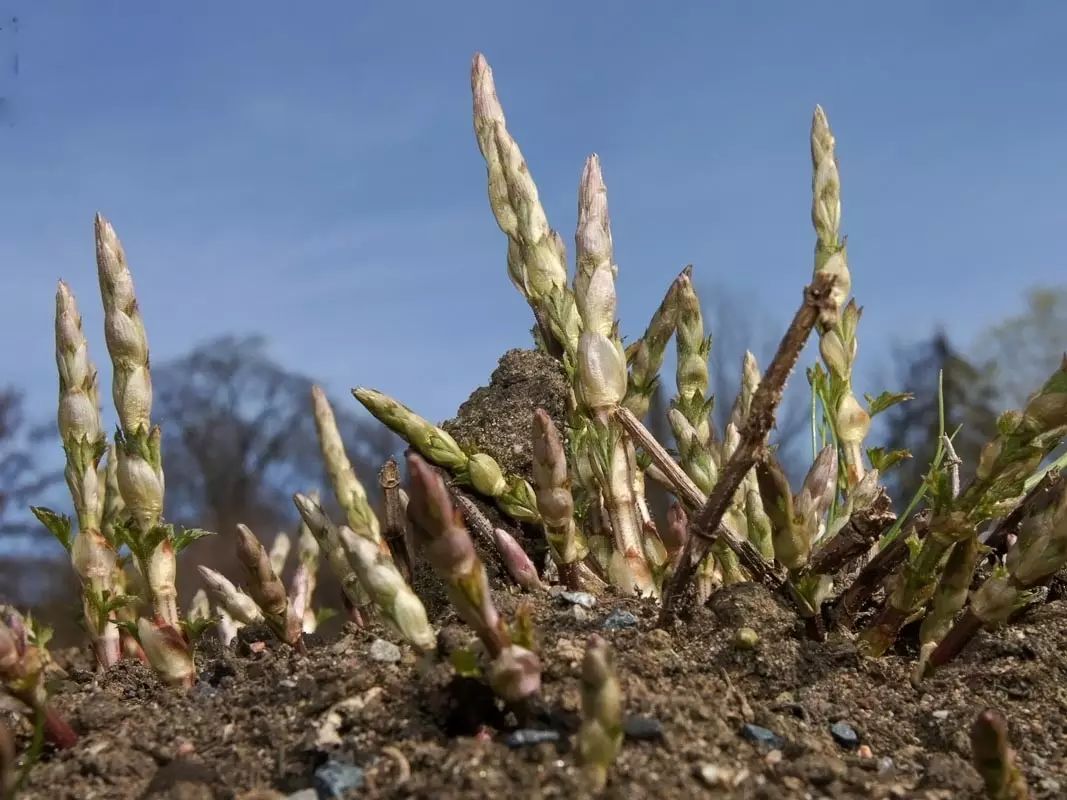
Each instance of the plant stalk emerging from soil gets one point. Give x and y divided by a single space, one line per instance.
601 733
514 672
994 758
140 464
22 676
84 443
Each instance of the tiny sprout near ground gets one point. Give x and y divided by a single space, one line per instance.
834 547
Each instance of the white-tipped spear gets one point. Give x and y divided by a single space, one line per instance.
537 262
84 443
267 589
233 601
383 582
333 547
305 579
601 375
140 468
351 495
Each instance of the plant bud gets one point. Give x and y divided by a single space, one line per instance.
518 564
601 371
167 652
92 557
834 354
853 421
486 476
515 674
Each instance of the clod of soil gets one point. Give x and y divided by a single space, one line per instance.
497 418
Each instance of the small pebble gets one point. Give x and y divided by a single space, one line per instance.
745 639
865 751
1051 785
885 763
304 794
580 614
643 728
940 714
384 651
336 780
527 737
762 736
845 735
773 757
713 775
618 619
583 599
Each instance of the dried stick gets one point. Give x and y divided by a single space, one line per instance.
817 300
884 564
689 493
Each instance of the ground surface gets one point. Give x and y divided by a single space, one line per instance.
270 719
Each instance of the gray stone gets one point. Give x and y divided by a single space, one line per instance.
384 651
618 619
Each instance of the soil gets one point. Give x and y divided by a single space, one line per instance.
265 722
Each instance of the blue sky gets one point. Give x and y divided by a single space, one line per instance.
312 174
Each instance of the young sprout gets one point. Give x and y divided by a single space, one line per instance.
515 672
537 262
140 464
512 493
268 590
81 431
994 758
600 736
22 665
236 604
168 651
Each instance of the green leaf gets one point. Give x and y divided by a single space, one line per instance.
155 537
58 524
40 634
194 628
883 460
119 601
186 536
130 628
886 400
465 663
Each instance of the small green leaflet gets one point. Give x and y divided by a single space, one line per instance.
883 460
58 524
876 405
186 536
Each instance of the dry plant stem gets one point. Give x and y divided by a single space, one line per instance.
81 431
864 528
877 570
689 493
394 517
140 468
753 438
998 537
994 758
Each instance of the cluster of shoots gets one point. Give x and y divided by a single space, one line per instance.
834 547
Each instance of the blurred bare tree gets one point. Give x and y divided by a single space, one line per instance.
21 478
1024 349
239 439
970 403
